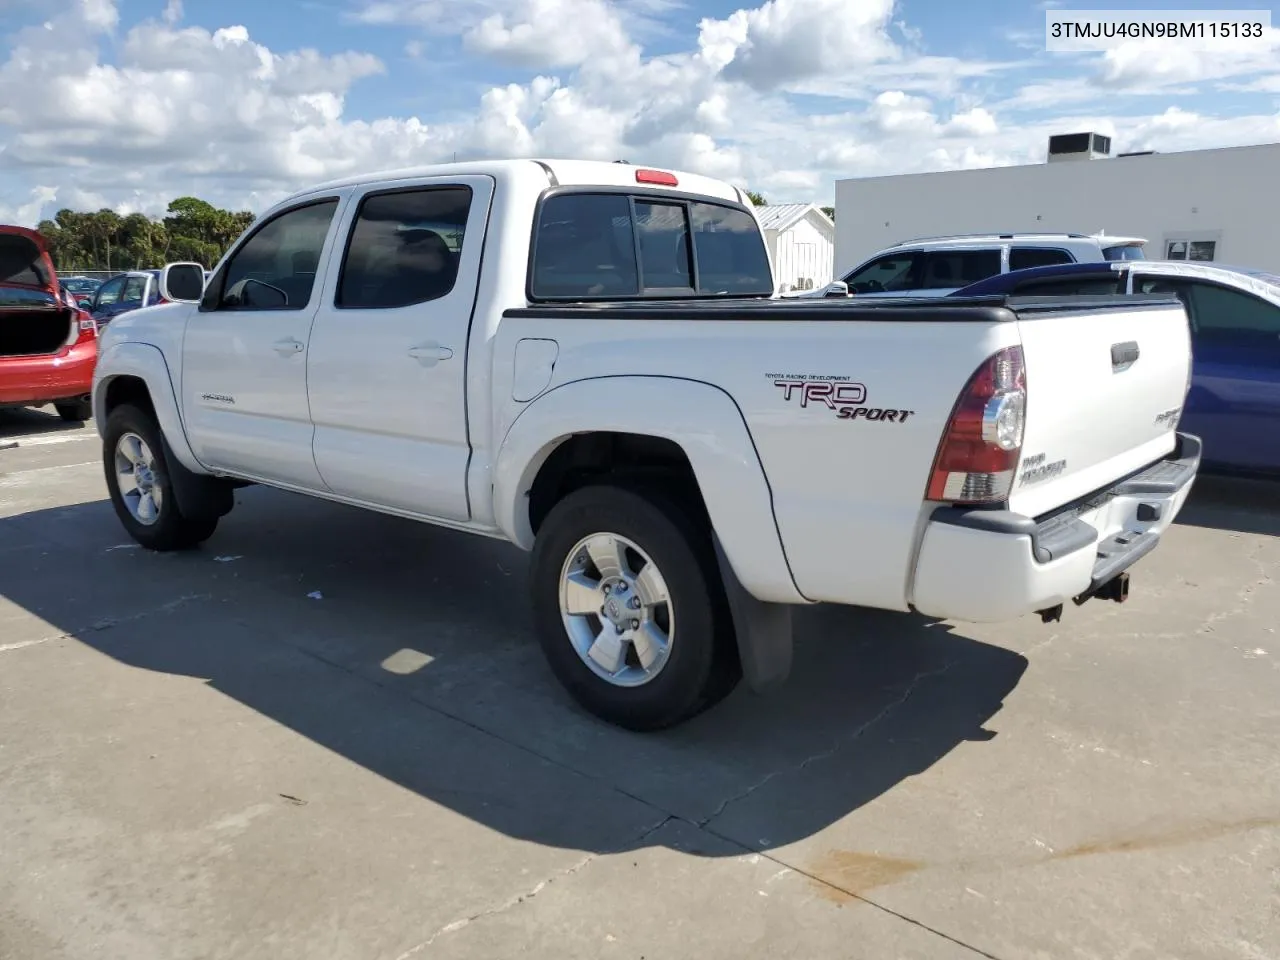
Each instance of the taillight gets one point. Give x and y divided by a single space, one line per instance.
87 326
979 452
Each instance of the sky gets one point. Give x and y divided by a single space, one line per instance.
130 103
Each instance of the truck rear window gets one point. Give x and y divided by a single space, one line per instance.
594 246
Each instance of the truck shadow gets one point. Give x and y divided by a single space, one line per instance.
1234 503
407 650
17 422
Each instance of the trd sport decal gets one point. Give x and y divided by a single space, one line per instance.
841 395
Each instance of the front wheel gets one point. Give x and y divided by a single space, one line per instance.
139 483
629 608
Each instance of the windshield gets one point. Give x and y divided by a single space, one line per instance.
1128 251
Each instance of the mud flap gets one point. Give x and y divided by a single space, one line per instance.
763 630
199 497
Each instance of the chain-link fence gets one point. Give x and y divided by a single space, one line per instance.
64 272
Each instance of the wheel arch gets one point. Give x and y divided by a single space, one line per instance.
137 373
672 423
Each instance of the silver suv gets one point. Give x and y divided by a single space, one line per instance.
936 266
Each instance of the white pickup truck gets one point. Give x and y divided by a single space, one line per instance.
589 360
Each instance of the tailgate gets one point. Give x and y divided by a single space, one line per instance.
1105 386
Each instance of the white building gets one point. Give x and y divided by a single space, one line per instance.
1201 204
801 241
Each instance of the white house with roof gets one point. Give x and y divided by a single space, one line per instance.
802 244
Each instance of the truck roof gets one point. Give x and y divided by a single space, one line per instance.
562 172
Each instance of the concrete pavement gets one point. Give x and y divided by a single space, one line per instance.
329 734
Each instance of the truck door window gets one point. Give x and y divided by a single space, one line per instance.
584 247
275 269
886 275
663 229
404 248
1022 258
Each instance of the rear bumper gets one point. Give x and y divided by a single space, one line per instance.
991 565
28 381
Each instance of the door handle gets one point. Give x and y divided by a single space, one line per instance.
287 347
429 354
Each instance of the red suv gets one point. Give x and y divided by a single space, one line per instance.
48 347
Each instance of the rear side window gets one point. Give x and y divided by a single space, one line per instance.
615 246
1022 258
958 268
404 248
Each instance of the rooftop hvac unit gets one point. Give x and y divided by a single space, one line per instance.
1079 146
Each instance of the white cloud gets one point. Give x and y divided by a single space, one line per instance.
551 33
788 40
94 111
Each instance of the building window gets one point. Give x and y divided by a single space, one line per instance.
1187 248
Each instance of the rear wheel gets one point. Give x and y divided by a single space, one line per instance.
629 608
139 483
75 411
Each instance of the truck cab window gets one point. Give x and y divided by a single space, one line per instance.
585 248
664 246
731 255
275 269
404 248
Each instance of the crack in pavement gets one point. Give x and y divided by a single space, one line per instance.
106 623
532 892
835 748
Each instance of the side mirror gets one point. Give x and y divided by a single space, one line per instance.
837 288
182 282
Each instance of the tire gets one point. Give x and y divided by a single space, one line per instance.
74 411
699 666
168 529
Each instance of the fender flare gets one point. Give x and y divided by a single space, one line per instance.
199 494
147 363
702 419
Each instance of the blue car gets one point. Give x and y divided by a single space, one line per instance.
1234 402
125 292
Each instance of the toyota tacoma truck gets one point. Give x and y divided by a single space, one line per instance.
590 361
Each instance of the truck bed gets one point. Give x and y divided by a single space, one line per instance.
846 403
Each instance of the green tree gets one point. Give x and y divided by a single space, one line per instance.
757 199
830 212
193 229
